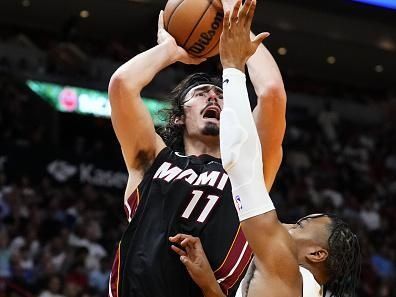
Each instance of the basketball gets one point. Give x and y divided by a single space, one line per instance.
196 25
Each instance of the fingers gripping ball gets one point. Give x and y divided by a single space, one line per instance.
195 24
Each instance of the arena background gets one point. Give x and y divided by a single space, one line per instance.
61 171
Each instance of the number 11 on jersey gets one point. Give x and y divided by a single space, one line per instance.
193 203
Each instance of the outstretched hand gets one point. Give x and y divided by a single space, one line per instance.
194 258
178 53
236 46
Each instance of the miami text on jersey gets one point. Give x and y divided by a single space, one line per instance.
168 173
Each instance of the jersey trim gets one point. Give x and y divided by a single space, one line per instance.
131 204
236 261
238 269
114 280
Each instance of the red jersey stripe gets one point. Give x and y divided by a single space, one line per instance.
237 259
232 256
131 204
231 280
115 275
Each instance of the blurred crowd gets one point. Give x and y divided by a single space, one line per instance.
58 239
75 58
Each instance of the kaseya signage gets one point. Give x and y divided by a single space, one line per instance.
86 173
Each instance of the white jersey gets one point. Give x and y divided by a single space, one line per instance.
311 288
239 291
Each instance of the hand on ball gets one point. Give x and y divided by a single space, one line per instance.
176 51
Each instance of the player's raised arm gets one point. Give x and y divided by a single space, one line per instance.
131 120
242 159
270 112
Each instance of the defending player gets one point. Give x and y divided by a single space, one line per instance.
294 260
186 191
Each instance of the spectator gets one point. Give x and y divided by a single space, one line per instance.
54 287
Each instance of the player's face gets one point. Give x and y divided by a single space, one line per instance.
311 235
311 229
202 107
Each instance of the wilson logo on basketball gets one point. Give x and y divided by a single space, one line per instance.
205 38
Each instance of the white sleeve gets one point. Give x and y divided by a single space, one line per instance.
241 149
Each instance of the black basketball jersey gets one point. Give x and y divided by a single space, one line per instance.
179 194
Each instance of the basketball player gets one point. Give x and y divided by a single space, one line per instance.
177 184
290 260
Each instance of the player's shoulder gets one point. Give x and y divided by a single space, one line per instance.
168 154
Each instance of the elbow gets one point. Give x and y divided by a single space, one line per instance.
118 80
272 100
273 91
121 84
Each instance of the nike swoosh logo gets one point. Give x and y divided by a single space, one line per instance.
226 81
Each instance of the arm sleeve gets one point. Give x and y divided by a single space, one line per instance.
241 149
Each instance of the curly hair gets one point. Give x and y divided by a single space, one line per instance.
344 260
172 133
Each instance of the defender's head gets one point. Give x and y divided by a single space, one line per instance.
326 242
196 105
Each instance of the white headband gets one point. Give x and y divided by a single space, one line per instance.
191 92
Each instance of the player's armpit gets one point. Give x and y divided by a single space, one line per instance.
272 245
272 285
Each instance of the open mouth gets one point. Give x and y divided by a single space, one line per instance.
212 113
